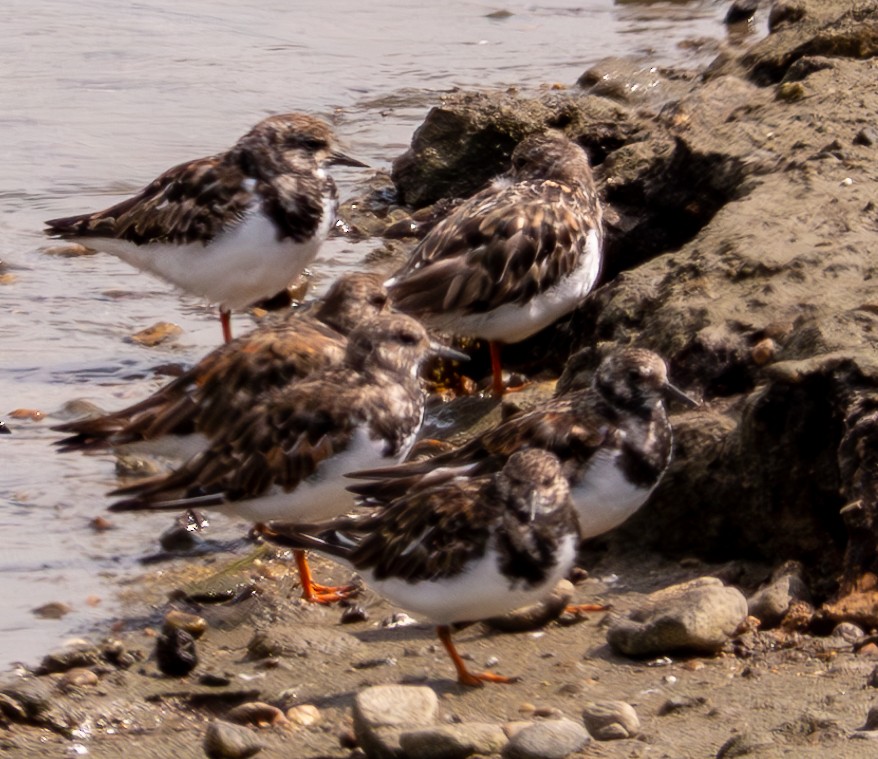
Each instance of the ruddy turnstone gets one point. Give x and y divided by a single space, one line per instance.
284 457
184 414
234 227
513 258
459 552
613 439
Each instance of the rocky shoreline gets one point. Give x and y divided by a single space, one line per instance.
743 220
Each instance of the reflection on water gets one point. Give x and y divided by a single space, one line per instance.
95 103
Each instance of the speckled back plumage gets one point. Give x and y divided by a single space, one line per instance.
512 241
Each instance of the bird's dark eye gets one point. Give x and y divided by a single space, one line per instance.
379 301
407 338
313 143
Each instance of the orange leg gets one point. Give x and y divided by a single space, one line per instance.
464 676
496 369
226 321
318 594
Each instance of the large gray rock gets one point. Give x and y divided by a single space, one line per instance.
698 616
453 741
383 712
554 739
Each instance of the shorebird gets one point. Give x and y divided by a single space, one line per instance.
513 258
461 551
234 227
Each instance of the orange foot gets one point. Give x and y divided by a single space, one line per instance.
586 608
314 592
464 676
478 679
327 594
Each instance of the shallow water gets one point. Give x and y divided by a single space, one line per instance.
97 98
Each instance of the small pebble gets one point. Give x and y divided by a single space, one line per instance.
610 720
848 632
78 677
180 537
213 680
399 619
67 250
764 351
257 714
35 415
52 610
180 620
158 333
101 524
304 715
223 740
548 712
741 10
175 653
555 739
867 136
871 719
680 703
791 91
381 661
353 614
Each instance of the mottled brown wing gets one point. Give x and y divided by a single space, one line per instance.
267 358
558 427
430 533
191 202
279 441
496 248
572 434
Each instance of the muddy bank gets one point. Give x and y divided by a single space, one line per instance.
741 245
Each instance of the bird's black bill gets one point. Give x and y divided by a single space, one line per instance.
675 394
445 351
340 159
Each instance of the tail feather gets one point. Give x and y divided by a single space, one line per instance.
145 504
338 537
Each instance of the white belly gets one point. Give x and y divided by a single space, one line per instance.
236 268
480 592
604 497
